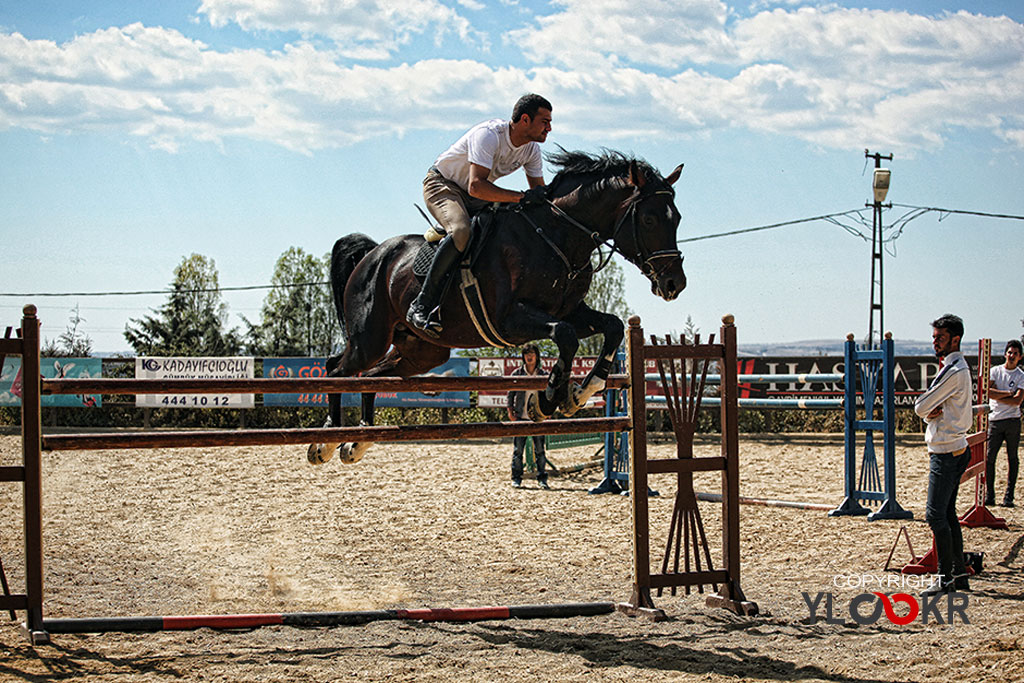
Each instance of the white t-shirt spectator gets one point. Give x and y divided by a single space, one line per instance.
1004 380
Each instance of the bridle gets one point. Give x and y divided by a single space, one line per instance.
644 259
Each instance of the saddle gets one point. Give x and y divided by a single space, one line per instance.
484 224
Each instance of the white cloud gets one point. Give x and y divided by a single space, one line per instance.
157 85
360 29
837 78
663 33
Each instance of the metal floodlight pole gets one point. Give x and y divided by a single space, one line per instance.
880 187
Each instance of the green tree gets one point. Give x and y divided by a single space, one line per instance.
192 322
298 317
71 343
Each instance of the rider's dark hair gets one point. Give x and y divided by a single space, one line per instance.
951 323
529 104
1014 344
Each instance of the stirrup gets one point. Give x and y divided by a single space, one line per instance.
431 322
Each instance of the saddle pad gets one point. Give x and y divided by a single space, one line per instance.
424 257
481 230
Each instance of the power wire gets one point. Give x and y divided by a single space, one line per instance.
896 229
925 209
166 291
827 216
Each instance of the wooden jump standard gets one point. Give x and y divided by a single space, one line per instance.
34 442
683 396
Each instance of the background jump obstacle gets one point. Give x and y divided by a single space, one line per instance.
686 532
870 365
38 628
864 370
979 515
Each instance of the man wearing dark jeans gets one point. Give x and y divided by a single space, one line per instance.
946 408
1006 389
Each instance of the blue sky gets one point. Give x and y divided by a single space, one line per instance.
135 134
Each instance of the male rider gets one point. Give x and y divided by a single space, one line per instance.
461 183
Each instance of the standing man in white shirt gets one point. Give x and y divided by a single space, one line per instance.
1006 390
461 183
946 408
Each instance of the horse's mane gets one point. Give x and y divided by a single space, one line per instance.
607 164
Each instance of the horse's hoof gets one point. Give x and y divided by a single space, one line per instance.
351 453
319 453
533 410
572 402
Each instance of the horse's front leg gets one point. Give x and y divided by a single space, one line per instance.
525 320
319 453
588 322
557 392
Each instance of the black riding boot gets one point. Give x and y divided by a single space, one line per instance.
422 312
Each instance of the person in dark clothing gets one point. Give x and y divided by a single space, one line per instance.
517 411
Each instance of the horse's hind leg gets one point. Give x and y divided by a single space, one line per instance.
361 352
352 452
408 356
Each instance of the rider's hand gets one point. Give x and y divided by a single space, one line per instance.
534 196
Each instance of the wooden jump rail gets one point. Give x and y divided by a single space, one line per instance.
34 443
376 434
339 385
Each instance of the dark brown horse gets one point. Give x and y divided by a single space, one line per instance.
534 271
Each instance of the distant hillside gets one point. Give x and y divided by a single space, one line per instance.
834 347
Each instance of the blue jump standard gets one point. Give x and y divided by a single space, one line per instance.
871 363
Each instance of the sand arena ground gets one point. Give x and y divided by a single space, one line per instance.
195 531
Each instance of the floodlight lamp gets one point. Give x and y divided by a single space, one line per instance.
881 184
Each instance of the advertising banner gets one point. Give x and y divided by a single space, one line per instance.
912 376
182 367
315 367
51 368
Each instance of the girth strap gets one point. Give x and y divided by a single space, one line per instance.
477 309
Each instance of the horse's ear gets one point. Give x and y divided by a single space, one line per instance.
636 178
674 175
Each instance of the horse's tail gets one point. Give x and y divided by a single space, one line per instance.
348 251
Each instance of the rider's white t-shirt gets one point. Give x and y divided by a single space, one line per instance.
488 144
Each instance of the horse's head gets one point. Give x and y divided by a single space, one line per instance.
631 205
645 230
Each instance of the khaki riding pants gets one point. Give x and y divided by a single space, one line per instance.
451 206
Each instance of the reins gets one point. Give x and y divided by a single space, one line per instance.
646 265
